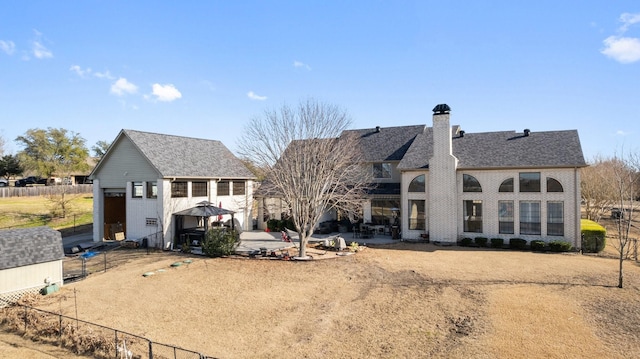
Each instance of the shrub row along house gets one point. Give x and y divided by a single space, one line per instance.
442 183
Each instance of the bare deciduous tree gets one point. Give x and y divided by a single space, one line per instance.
626 185
309 163
596 187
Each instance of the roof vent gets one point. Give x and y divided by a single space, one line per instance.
526 132
461 133
441 109
377 128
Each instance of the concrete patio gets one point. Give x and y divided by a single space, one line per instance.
253 241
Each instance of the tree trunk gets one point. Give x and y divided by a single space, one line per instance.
620 271
303 248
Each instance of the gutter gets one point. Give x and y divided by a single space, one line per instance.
578 235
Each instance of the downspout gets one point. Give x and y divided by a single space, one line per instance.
578 235
248 211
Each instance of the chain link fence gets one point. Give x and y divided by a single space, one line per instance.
86 338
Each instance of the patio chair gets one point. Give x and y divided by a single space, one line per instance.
285 236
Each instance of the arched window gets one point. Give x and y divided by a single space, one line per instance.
417 184
506 185
553 185
470 184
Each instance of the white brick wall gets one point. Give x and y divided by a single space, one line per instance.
442 198
490 181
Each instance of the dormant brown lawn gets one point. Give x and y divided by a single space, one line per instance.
398 301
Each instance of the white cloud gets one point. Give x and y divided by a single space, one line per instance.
622 49
79 71
39 51
253 96
104 75
166 93
300 64
7 46
122 87
627 20
622 133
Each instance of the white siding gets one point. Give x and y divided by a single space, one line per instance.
14 279
138 210
98 211
124 164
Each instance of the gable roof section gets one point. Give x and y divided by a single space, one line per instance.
505 149
27 246
387 144
177 156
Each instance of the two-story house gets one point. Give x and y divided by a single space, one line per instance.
446 184
145 181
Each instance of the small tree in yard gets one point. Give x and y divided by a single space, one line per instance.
309 162
626 185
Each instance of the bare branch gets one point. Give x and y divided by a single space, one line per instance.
308 162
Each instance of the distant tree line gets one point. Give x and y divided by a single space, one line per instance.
48 152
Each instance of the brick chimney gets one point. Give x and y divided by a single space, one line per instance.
443 193
442 143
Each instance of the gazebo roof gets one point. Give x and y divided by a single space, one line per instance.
204 209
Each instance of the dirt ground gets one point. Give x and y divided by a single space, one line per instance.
396 301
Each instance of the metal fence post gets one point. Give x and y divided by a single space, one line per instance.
150 349
116 346
25 319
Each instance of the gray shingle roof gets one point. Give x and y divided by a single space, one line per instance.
177 156
387 144
21 247
505 149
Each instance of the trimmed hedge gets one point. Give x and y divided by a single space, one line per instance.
481 241
497 242
466 242
559 246
517 243
538 245
593 236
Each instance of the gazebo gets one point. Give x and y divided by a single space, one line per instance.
203 210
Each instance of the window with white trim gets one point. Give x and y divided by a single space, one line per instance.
505 217
136 190
555 218
417 214
472 216
530 217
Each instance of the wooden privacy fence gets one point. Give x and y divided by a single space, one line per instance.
45 190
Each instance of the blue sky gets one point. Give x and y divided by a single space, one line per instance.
205 68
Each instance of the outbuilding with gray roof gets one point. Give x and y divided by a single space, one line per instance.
30 258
